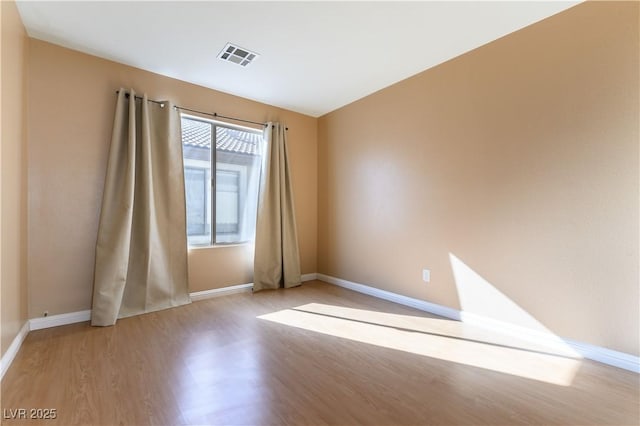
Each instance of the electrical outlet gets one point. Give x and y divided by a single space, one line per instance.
426 275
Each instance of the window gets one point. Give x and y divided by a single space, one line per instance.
235 163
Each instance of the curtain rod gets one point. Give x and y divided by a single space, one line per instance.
212 114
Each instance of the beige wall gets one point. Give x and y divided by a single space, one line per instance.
13 175
71 107
520 159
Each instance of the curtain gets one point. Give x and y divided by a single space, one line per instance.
276 258
141 251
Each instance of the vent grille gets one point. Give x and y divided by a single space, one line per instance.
237 55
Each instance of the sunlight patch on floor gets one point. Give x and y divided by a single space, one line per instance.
436 338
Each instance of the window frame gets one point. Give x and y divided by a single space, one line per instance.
240 172
213 175
193 165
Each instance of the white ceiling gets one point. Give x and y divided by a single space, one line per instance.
315 56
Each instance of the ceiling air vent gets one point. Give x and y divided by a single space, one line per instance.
237 55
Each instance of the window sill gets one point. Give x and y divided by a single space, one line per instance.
217 246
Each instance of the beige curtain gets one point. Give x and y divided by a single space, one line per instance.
141 252
277 260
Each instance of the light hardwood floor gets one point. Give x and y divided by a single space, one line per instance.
316 354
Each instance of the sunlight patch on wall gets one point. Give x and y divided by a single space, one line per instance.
480 300
479 296
436 338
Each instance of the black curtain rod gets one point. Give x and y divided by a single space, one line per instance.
216 115
211 114
126 95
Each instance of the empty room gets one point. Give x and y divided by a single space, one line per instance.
320 213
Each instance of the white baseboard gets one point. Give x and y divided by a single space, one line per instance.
60 319
422 305
309 277
586 350
606 356
81 316
217 292
241 288
13 349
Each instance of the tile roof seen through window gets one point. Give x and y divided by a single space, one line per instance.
198 134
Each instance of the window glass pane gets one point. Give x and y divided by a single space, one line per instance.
196 149
196 185
227 202
237 176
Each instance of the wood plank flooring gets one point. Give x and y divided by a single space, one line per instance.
316 354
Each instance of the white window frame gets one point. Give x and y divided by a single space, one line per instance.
203 239
212 163
242 192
